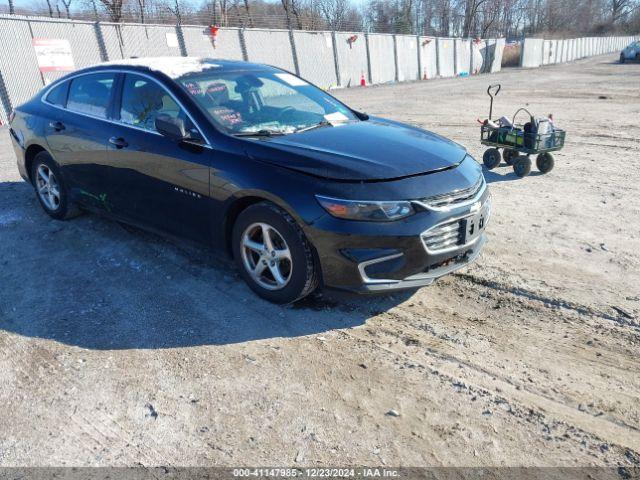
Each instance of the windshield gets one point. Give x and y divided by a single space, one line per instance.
264 102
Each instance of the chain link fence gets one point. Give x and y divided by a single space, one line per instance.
328 59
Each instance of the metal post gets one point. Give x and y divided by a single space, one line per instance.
5 101
438 61
419 49
181 42
336 60
395 58
41 74
243 45
294 52
455 57
369 72
104 56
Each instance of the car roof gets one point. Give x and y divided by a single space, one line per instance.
177 67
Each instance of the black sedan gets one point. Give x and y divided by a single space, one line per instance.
300 189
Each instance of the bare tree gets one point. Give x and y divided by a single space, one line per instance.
292 7
619 8
67 7
114 9
11 8
141 9
176 10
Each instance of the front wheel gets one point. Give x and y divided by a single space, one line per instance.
491 158
522 165
273 254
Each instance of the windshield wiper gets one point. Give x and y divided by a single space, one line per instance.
323 123
259 133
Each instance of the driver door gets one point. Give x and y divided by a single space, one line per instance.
155 181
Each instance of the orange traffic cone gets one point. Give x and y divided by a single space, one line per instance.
363 82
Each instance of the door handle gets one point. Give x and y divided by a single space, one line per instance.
118 142
57 126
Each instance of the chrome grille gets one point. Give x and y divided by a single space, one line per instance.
455 198
443 237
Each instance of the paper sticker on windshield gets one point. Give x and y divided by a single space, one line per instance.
336 117
291 79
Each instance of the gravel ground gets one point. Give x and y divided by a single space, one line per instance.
118 347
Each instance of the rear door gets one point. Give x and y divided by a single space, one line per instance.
77 131
154 180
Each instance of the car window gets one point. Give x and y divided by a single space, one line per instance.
58 95
246 101
279 95
90 94
143 100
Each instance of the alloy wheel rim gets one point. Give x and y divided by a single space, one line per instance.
48 187
266 256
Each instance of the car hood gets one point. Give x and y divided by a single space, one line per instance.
371 150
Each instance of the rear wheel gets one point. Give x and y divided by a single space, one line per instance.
522 165
491 158
545 162
51 189
508 155
273 255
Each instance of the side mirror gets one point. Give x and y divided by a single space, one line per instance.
170 127
361 115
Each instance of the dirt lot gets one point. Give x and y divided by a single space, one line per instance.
121 348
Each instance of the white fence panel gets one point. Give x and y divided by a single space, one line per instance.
407 52
446 57
315 58
200 44
112 40
463 56
272 47
531 52
20 77
428 58
82 39
498 50
352 58
149 40
381 58
479 56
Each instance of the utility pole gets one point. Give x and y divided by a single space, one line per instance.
12 10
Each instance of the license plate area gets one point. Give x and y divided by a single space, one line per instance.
473 226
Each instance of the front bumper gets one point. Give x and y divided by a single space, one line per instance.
376 257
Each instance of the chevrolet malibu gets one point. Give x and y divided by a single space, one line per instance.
301 190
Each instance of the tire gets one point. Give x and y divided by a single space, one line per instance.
522 166
508 155
299 270
545 162
622 59
53 193
491 158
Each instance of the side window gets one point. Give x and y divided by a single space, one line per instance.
90 94
58 95
143 100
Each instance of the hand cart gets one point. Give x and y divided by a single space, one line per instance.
518 142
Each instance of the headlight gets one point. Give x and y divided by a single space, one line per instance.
366 211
